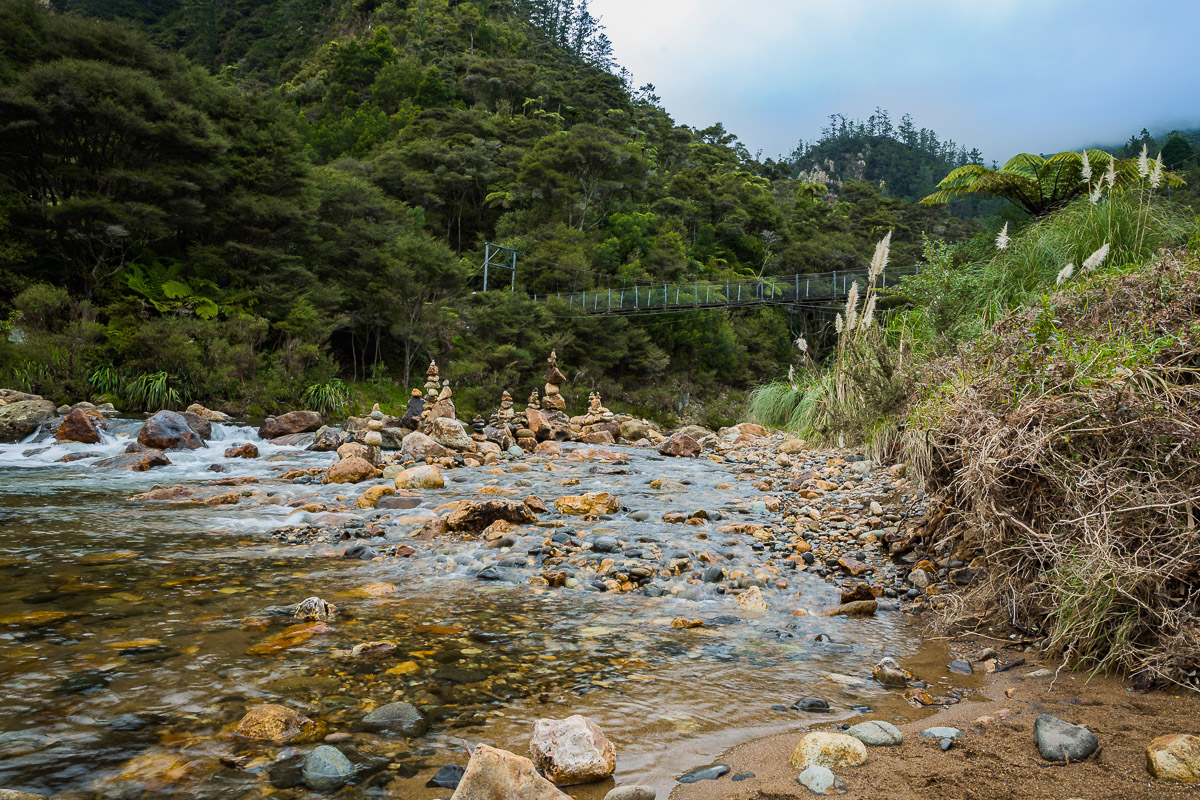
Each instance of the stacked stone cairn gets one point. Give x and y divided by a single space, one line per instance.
525 436
550 422
374 438
598 425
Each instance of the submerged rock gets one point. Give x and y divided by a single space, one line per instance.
475 515
326 769
275 723
494 774
572 750
402 718
138 461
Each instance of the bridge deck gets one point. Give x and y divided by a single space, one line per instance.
773 290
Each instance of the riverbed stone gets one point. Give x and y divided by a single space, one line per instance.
13 794
326 769
475 515
1058 740
827 749
207 413
632 792
138 461
274 723
168 430
80 426
680 445
418 445
940 732
572 750
1174 758
400 717
199 424
423 476
891 674
821 780
450 434
591 504
21 417
247 450
289 423
351 470
371 497
709 773
876 733
494 774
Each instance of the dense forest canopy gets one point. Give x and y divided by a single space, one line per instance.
252 197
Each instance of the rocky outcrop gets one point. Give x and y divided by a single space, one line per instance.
494 774
81 426
680 445
572 750
21 414
291 422
168 430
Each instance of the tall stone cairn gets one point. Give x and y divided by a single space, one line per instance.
374 438
553 400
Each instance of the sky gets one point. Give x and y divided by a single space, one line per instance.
1005 76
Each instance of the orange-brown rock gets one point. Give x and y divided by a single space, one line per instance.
275 723
247 450
80 426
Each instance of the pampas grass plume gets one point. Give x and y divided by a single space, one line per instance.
1065 274
1143 162
1156 173
880 259
1110 174
1087 168
852 307
1002 238
1097 258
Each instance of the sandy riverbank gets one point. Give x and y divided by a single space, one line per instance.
997 759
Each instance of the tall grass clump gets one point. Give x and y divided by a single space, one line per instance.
327 399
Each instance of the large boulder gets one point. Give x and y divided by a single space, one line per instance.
634 429
168 430
275 723
351 470
291 422
327 440
548 424
597 437
137 461
572 750
494 774
680 445
21 417
449 433
80 426
475 515
417 445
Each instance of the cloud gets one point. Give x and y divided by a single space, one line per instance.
1002 75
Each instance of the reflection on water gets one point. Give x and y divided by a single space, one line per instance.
133 636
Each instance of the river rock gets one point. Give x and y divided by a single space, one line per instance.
137 461
351 470
591 504
327 440
314 608
1058 740
891 674
940 732
826 749
13 794
168 430
417 445
425 476
274 723
371 497
450 434
1175 758
793 447
247 450
710 773
752 600
680 445
494 774
402 718
634 429
633 792
291 422
80 426
876 733
597 437
351 450
199 424
572 750
821 780
207 413
21 417
857 608
326 769
475 515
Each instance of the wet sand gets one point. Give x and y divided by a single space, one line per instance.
997 759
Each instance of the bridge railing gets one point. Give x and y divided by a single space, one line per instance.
775 289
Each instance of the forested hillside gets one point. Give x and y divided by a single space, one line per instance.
242 199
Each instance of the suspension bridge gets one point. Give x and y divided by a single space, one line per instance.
779 290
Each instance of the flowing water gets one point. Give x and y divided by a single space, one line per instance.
134 635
